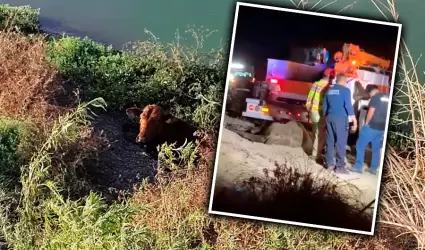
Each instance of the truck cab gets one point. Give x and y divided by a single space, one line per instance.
241 82
241 74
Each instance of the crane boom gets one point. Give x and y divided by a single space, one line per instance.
352 58
353 53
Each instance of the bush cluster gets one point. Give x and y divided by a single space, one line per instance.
23 18
185 79
190 87
12 136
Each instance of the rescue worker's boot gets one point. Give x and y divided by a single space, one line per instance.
330 168
341 170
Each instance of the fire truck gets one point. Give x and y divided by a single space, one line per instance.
287 83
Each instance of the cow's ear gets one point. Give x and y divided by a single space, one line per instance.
133 113
167 117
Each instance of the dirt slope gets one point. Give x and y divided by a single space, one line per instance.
123 163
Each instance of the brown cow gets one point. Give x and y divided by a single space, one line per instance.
158 127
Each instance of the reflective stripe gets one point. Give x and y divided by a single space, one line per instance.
317 92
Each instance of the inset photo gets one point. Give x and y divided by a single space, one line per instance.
303 132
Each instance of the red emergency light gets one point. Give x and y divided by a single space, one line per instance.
273 80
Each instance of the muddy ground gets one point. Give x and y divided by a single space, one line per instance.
122 164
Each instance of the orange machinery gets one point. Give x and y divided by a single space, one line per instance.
352 58
352 61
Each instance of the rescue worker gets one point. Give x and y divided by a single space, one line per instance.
373 130
313 105
338 111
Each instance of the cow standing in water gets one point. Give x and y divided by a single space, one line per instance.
158 127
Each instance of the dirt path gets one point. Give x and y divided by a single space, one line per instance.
123 163
240 159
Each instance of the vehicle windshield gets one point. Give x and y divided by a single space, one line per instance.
239 70
242 74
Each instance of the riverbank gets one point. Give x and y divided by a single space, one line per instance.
50 140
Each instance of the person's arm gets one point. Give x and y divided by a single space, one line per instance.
310 96
349 108
372 107
347 102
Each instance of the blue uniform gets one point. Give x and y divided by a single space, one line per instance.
372 133
337 108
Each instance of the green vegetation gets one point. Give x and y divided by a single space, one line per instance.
23 18
147 73
12 135
41 162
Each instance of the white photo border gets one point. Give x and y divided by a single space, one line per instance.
235 21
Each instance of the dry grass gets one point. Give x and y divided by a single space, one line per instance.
177 218
401 220
29 87
176 213
268 197
403 197
27 80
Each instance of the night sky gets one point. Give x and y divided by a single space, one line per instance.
262 34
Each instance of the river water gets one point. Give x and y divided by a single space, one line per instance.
117 22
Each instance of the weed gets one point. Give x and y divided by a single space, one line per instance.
13 150
160 215
269 197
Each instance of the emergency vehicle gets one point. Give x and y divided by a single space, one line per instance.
288 83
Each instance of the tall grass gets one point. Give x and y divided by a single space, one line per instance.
27 80
167 214
45 219
402 199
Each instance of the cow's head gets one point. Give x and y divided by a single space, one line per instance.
152 120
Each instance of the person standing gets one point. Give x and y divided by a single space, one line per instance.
338 111
313 105
373 130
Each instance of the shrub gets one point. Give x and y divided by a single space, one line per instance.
268 198
145 73
47 220
76 57
27 80
12 134
22 18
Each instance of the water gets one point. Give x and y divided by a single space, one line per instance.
117 22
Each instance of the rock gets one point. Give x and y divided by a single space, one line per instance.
251 137
238 124
291 134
